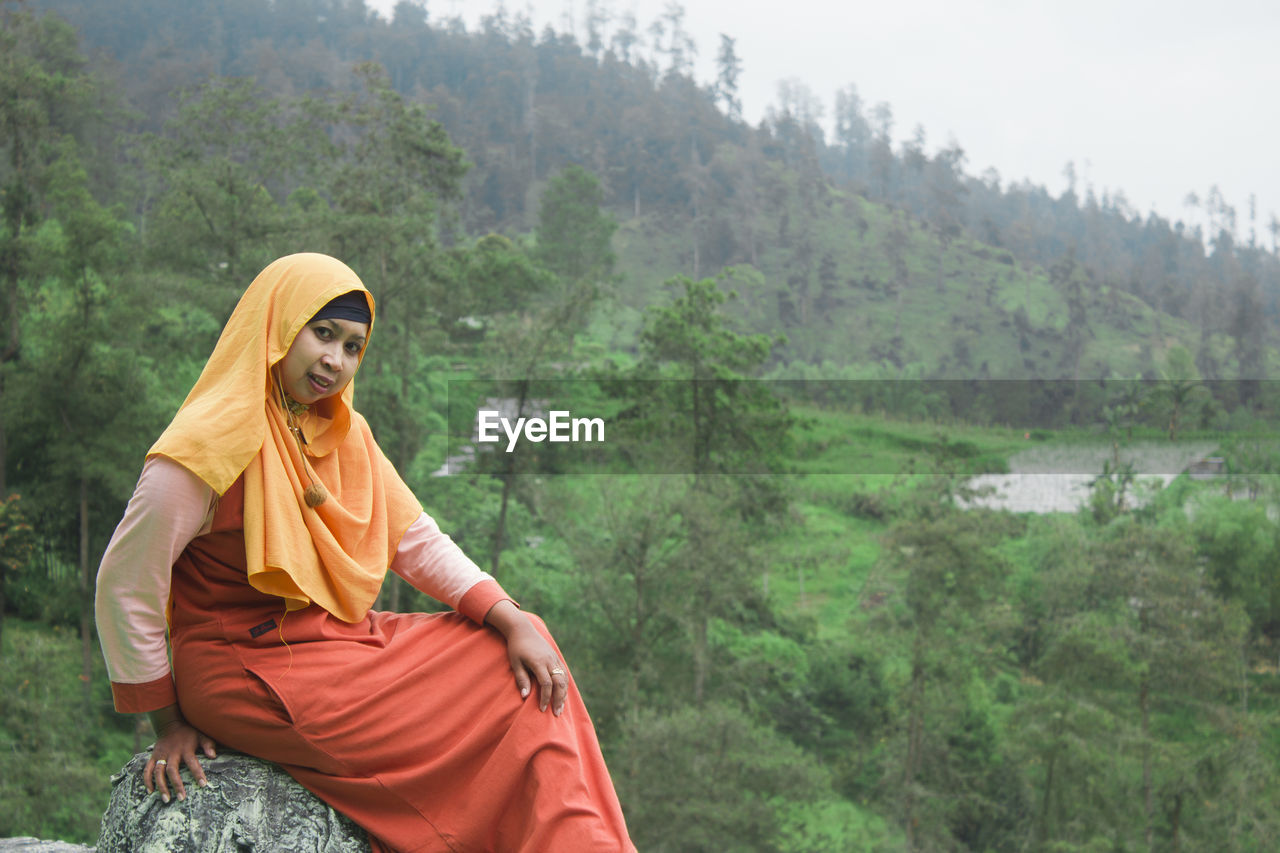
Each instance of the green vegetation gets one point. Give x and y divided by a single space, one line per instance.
790 637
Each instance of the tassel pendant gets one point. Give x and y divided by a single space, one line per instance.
315 495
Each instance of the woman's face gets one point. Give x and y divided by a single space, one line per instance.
323 358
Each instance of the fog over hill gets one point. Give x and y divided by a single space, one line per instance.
1153 101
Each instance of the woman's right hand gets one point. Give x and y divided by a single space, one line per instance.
176 744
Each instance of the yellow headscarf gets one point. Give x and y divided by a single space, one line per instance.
232 423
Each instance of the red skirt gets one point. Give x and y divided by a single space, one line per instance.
410 724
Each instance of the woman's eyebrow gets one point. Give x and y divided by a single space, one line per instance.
333 326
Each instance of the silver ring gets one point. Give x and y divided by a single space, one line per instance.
160 762
557 671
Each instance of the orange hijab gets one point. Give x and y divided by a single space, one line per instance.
232 424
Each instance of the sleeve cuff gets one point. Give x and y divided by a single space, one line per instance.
478 600
148 696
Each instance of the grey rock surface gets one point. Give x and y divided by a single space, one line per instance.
35 845
249 805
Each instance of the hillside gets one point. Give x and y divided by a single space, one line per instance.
861 244
866 279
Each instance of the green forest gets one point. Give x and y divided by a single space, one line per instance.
795 624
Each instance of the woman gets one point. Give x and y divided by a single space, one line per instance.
261 527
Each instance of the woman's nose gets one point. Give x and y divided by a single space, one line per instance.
331 358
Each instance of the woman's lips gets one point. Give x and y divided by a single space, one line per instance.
318 385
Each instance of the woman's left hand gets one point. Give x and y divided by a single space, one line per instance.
531 656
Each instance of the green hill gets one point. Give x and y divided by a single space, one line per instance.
862 283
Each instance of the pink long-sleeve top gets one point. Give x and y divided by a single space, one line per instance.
170 507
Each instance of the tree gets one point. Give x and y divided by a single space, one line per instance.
597 18
1180 636
730 68
1238 543
709 417
573 244
391 188
45 95
1135 638
574 234
61 362
86 405
16 546
672 41
1248 327
946 191
853 132
227 161
626 538
896 247
705 417
949 569
882 149
1069 278
1181 386
624 39
709 779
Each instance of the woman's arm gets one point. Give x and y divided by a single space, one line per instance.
431 562
170 507
530 654
176 744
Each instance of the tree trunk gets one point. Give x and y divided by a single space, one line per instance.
499 533
1244 677
4 447
1144 704
637 635
700 655
1044 830
2 604
1048 795
915 726
86 597
531 123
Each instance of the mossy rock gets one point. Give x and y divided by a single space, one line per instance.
249 805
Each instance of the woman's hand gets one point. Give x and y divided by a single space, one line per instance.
531 655
176 744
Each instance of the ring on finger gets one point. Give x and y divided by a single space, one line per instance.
161 762
557 671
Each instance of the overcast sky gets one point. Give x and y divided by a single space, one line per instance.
1155 99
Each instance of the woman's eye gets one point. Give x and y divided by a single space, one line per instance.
353 348
322 332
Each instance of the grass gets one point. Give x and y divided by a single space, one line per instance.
56 755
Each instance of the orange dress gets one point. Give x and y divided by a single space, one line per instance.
410 724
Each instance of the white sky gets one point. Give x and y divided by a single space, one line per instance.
1155 98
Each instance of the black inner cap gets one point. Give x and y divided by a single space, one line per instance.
348 306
